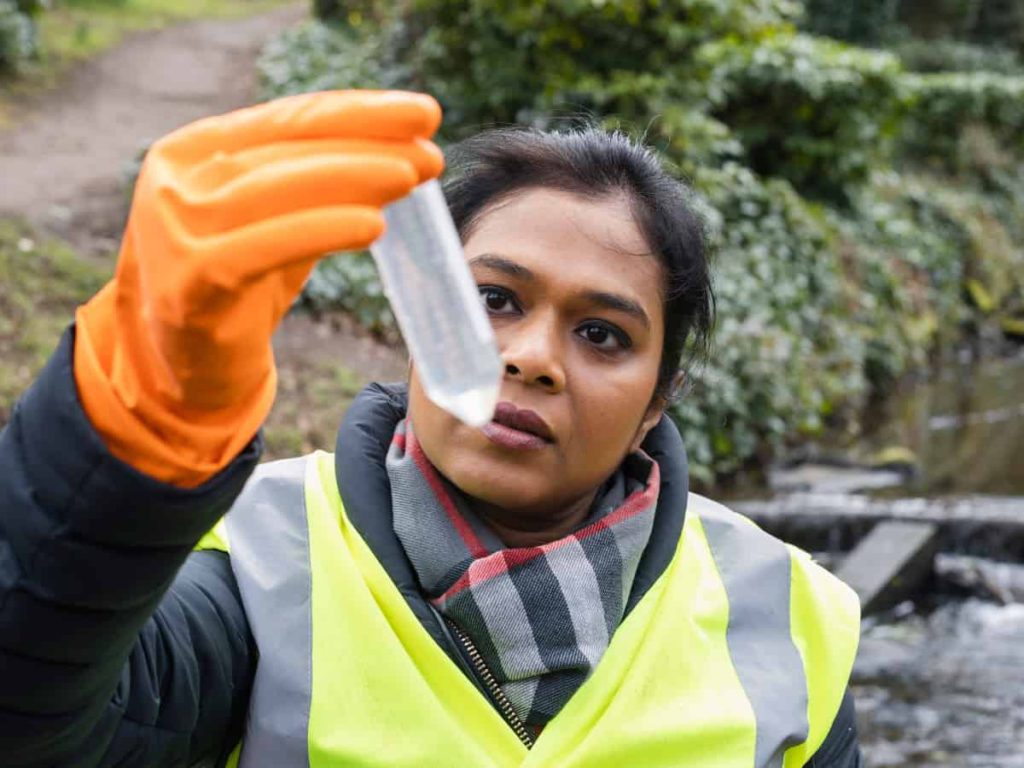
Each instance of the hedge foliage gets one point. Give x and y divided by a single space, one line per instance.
840 262
885 22
946 103
953 56
816 112
858 21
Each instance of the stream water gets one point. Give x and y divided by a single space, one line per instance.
943 689
965 426
941 683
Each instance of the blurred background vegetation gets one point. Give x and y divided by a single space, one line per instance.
859 164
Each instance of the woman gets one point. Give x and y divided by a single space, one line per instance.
539 592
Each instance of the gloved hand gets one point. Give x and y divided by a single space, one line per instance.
172 358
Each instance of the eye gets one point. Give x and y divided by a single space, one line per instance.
498 301
604 336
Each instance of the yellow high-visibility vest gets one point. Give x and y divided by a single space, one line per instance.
737 657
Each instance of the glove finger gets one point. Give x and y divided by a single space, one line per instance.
223 169
230 261
388 115
275 189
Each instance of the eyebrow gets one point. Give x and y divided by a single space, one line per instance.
618 303
604 299
502 264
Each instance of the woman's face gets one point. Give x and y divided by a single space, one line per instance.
575 299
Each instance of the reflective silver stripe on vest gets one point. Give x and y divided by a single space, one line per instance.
755 569
268 535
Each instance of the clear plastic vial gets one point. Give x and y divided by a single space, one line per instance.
437 305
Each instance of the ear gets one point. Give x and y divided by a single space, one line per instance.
655 411
651 418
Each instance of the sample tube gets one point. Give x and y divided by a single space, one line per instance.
437 305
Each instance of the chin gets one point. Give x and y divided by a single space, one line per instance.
499 481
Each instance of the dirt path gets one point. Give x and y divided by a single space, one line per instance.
62 164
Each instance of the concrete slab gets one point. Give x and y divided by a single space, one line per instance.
890 563
983 526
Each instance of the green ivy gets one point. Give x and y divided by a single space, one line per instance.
784 356
319 57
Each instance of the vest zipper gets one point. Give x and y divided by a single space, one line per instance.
485 676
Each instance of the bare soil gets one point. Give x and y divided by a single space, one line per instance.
65 159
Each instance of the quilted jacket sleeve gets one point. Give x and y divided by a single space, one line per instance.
111 652
841 748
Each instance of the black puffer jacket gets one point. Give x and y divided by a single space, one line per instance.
119 645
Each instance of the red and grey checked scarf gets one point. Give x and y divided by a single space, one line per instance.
541 617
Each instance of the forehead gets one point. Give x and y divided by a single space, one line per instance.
592 244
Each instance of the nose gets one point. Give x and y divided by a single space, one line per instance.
532 354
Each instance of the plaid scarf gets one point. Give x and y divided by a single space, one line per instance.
541 617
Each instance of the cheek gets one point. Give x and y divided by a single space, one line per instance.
447 443
430 421
610 405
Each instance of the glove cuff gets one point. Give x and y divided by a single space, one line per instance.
138 427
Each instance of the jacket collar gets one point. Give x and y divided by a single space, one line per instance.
362 445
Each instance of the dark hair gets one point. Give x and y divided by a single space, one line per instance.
491 166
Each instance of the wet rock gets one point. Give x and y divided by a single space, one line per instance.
1003 582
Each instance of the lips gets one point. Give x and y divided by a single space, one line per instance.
518 429
523 420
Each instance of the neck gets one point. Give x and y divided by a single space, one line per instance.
533 527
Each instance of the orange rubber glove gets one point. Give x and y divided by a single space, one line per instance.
172 358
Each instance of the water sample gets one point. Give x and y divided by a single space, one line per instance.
437 305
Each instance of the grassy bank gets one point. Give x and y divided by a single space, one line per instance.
41 283
81 28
